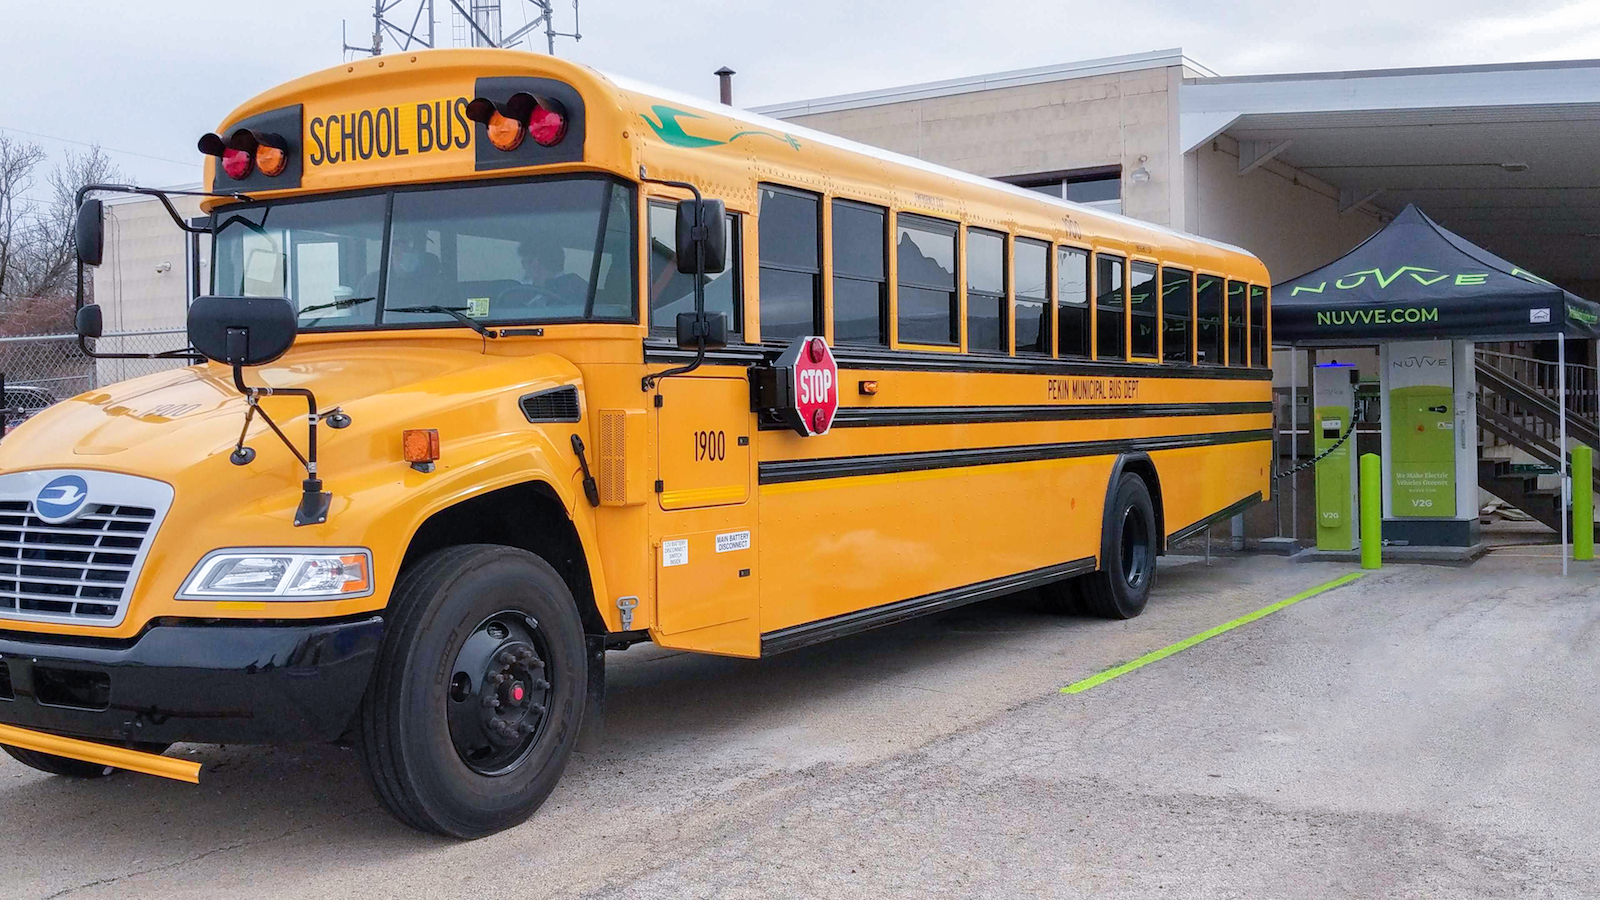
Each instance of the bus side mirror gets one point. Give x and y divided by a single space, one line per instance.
713 239
714 328
89 233
91 323
242 331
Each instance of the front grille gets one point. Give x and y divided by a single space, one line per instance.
555 405
80 571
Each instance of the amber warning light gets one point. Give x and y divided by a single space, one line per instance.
420 445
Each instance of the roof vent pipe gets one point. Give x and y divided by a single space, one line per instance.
725 83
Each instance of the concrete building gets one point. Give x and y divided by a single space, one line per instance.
1295 168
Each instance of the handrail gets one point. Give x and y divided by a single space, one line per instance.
1530 359
1530 404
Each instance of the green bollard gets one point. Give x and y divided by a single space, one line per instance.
1583 502
1371 511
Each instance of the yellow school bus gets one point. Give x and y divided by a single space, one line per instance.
506 363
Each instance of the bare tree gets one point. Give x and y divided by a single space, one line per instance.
37 271
18 160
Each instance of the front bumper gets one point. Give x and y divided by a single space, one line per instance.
204 684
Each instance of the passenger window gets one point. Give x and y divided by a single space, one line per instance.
1258 326
1177 306
789 237
986 291
926 255
1110 302
672 292
860 266
1072 301
1142 309
1236 313
1031 264
1208 319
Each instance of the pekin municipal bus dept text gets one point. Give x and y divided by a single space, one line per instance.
427 127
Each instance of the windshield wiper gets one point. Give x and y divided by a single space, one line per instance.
337 304
456 312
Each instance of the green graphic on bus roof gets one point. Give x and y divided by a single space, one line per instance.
669 129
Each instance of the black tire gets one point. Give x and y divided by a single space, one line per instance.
425 740
1121 588
70 768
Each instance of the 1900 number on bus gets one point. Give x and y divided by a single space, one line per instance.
711 446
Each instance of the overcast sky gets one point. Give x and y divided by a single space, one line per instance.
144 79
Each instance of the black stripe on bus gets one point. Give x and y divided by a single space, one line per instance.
798 636
1189 531
873 416
784 471
883 359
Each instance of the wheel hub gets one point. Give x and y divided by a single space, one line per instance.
499 693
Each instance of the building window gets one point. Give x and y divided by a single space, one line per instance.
789 243
1236 323
1258 325
1142 309
926 258
1208 319
1031 269
1177 306
1100 188
986 291
672 292
1072 301
860 283
1110 304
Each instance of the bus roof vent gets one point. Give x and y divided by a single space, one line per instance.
555 405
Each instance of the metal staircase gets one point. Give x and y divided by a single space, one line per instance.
1517 407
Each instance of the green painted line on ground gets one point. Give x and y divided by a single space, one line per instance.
1155 655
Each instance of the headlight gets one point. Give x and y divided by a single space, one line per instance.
311 573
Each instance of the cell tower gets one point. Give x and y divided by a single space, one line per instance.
475 23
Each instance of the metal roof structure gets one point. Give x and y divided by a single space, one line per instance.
1506 155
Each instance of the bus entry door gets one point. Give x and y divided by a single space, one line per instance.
706 595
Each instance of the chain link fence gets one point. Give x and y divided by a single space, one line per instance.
39 370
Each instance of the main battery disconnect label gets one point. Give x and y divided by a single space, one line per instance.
737 540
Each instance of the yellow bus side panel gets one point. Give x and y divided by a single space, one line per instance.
840 545
1196 482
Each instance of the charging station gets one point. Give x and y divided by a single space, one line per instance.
1333 411
1430 485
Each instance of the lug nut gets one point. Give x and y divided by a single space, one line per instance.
506 657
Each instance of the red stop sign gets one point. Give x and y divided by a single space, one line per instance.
812 378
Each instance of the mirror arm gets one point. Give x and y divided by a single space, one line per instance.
83 193
164 196
314 501
83 345
650 381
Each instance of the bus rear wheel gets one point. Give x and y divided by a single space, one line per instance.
478 694
1121 588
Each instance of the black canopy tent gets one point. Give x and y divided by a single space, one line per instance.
1415 280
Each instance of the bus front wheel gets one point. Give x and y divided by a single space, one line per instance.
1121 587
478 694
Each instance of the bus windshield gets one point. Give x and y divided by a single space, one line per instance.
548 250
